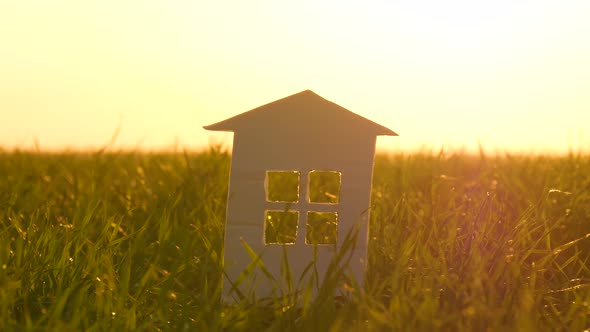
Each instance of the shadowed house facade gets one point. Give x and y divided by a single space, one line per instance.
300 179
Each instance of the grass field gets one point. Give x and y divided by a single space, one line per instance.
120 241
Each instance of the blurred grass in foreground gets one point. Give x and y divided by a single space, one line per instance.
116 241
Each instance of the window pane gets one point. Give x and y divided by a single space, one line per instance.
324 187
322 228
280 227
282 186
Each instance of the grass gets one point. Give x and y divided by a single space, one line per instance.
120 241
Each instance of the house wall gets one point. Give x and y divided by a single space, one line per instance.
256 152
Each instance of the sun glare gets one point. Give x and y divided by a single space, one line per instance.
511 75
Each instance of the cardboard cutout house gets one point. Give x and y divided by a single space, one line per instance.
300 180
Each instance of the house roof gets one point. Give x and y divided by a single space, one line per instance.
304 107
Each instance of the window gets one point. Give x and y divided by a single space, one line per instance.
282 186
322 228
324 187
281 225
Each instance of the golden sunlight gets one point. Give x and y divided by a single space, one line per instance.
509 76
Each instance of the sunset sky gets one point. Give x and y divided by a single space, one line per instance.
512 75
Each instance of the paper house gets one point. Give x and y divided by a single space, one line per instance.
300 179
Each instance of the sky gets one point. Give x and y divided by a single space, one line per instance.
507 75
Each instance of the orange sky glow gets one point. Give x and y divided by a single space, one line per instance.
509 75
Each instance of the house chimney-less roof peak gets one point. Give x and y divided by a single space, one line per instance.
303 106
